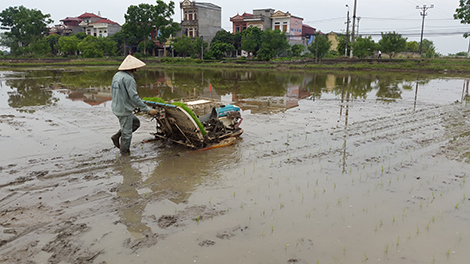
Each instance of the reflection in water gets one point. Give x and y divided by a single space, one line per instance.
256 90
345 97
29 92
465 95
176 176
132 206
173 178
416 96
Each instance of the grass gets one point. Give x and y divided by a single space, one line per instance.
455 66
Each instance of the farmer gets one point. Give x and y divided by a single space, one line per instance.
125 99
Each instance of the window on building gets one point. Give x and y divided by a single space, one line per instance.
284 28
237 29
277 25
190 17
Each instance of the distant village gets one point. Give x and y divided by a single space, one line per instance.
202 20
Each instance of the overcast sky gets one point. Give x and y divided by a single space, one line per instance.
376 15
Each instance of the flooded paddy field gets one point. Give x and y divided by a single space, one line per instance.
330 169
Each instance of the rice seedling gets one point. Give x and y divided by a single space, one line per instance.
386 249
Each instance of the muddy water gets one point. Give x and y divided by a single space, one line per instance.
331 169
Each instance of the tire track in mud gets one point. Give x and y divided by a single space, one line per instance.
406 133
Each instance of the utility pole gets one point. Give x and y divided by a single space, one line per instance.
353 27
357 31
202 47
423 14
316 47
468 52
347 34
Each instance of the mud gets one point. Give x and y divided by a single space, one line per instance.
333 180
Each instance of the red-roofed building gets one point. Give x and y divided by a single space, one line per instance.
261 18
98 26
89 23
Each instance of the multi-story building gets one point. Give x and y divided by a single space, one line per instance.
89 23
98 26
261 18
289 24
200 19
70 25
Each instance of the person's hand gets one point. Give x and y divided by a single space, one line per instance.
153 112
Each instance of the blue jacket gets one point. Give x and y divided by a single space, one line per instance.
124 93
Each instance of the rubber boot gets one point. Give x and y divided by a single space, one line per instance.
115 138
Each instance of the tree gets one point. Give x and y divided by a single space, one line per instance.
147 46
82 35
183 45
392 43
320 45
23 25
93 47
428 48
297 49
251 40
363 47
342 45
69 44
46 46
412 46
218 49
40 47
124 39
273 43
53 41
197 47
143 19
237 40
462 13
223 36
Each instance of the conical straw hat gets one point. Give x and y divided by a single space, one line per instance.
131 62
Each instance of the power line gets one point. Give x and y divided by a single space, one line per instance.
408 19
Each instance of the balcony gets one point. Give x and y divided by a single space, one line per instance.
186 23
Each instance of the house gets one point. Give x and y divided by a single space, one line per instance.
308 34
71 25
98 26
89 23
261 18
333 37
289 24
200 19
